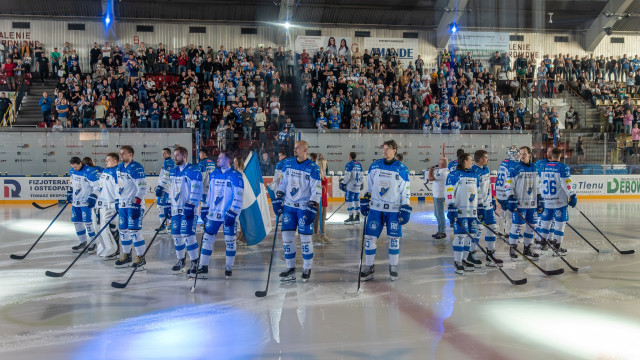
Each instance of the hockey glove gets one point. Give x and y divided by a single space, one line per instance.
278 207
540 204
404 215
452 214
310 212
204 211
69 196
159 191
91 201
493 204
136 209
343 187
573 201
481 213
229 218
512 204
189 211
364 204
203 200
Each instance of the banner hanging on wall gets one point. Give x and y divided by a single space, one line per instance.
337 45
482 44
407 49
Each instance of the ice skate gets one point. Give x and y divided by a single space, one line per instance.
288 275
367 273
393 272
178 268
124 261
306 274
471 258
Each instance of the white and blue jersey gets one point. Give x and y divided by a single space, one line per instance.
163 178
504 176
206 167
108 188
389 186
185 187
353 180
484 186
84 183
556 187
277 175
226 189
461 191
300 183
132 183
522 183
453 165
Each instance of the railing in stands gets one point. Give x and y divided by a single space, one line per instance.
579 104
10 116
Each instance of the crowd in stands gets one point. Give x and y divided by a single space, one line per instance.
228 96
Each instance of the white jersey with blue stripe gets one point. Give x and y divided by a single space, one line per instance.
185 187
389 185
84 182
206 168
453 165
300 183
504 173
555 185
226 189
163 176
132 183
108 188
353 176
461 191
277 175
484 185
523 185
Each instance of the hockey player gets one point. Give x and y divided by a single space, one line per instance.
386 203
540 164
107 207
506 167
95 218
163 202
132 187
83 196
224 200
522 193
486 208
462 210
206 167
297 200
453 164
557 193
185 191
351 184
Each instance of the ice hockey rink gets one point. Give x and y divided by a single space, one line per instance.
428 313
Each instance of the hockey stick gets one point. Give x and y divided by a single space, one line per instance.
146 212
623 252
573 268
118 285
335 211
60 274
361 253
514 282
604 251
20 257
195 280
546 272
40 207
273 247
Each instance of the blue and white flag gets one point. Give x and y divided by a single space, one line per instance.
255 217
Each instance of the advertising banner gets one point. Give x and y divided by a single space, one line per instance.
337 45
407 49
481 44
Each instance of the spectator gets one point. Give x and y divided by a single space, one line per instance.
9 69
580 148
266 165
5 103
628 121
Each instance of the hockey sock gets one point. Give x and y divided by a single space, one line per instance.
161 214
490 238
528 236
81 231
230 240
473 245
538 228
192 246
466 245
514 234
125 241
138 241
307 251
207 248
370 249
90 231
394 250
289 247
458 247
545 230
178 243
558 231
355 205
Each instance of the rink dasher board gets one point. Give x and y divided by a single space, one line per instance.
47 189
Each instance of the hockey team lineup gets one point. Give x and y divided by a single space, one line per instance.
532 202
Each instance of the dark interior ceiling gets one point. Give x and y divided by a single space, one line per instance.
502 14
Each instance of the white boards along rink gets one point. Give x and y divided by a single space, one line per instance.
419 150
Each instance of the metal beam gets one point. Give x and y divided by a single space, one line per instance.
595 33
442 31
286 10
